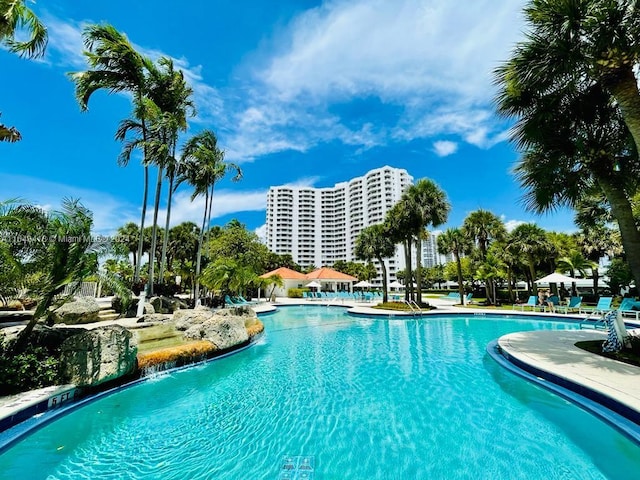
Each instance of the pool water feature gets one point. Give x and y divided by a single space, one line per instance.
366 398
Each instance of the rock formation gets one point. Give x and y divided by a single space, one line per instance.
80 310
99 355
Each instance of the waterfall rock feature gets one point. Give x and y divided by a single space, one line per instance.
99 355
224 328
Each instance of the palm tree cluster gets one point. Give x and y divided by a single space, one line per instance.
572 89
421 205
162 101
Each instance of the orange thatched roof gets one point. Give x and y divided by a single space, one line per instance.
285 273
326 273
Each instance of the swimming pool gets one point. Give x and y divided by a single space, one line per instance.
368 398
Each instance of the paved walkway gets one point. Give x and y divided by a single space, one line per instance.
555 352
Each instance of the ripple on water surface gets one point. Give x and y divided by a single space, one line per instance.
369 399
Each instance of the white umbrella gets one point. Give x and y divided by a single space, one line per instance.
395 284
363 284
313 284
556 278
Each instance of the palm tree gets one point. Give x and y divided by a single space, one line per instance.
453 240
571 84
15 15
482 227
61 262
597 242
9 134
115 66
169 91
128 234
592 42
431 207
400 224
531 241
373 242
573 262
202 166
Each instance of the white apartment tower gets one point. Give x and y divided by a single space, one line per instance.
319 226
430 254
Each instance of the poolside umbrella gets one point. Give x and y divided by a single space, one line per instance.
556 278
313 284
363 284
396 284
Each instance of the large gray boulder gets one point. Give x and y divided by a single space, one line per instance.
80 310
99 355
224 328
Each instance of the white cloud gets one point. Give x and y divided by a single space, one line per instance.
444 148
261 231
433 59
224 203
109 212
510 225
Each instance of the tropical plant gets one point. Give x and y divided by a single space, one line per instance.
532 243
373 242
399 224
571 83
63 253
115 66
575 262
597 242
454 241
481 228
202 167
15 16
431 208
9 134
168 90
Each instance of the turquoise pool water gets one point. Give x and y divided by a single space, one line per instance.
368 398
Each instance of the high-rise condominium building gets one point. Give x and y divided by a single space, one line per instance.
430 254
319 226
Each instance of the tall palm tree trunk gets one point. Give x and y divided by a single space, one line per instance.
418 270
165 242
456 255
623 85
621 209
154 231
196 290
407 269
532 272
384 279
145 195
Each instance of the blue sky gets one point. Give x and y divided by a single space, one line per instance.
299 92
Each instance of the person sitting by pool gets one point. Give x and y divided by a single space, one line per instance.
542 298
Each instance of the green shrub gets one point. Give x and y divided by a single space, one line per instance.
36 367
295 293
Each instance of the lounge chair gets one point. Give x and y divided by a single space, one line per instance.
242 300
467 299
532 302
628 307
603 306
228 301
572 306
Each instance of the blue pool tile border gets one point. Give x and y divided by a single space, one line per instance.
38 416
623 418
